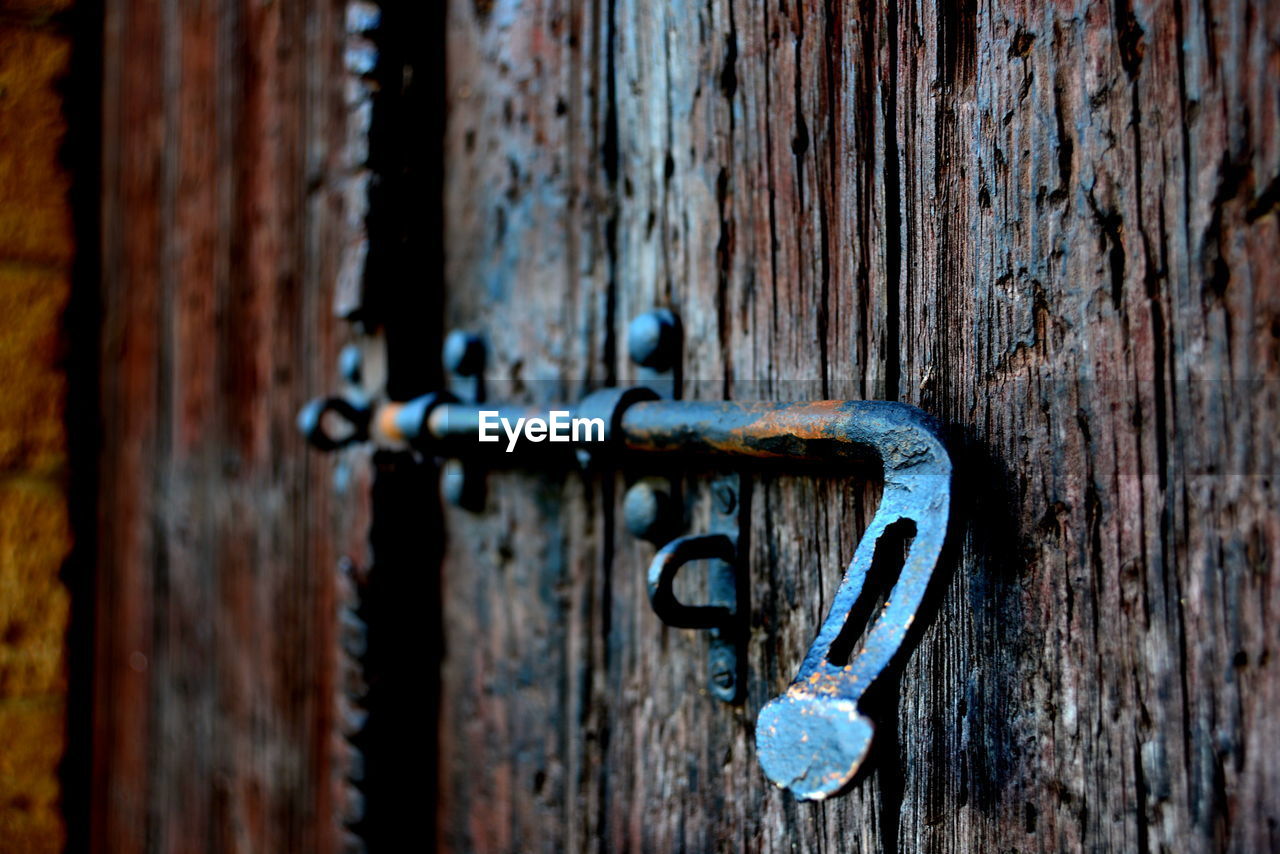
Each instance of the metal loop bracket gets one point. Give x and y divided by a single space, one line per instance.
312 422
721 617
662 574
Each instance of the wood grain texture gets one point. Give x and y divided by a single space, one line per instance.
225 158
525 720
1051 226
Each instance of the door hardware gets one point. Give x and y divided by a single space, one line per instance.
351 365
724 616
313 422
655 343
651 510
720 617
464 355
812 738
653 339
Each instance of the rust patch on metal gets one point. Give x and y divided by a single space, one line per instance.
385 423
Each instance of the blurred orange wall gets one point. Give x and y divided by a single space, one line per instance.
35 267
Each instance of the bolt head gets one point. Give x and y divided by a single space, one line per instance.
649 511
351 364
452 480
723 668
653 340
464 353
726 500
463 487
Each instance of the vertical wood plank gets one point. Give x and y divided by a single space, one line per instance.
224 134
1045 224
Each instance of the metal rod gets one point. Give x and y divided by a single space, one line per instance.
818 431
799 431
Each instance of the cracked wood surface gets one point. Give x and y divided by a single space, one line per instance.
1052 226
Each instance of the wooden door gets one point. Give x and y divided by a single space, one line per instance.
226 550
1049 225
268 182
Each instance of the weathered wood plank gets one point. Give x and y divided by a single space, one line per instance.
224 131
529 661
1048 225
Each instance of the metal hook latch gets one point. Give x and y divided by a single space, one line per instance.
812 739
721 617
